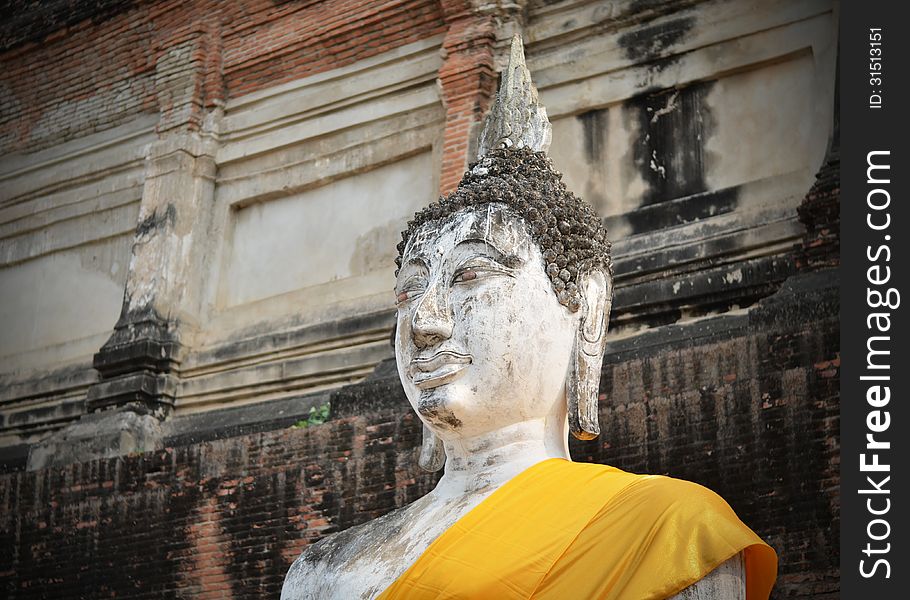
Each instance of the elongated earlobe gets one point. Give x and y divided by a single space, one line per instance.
582 388
432 454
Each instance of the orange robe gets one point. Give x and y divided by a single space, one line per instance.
575 530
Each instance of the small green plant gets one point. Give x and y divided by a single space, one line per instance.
318 415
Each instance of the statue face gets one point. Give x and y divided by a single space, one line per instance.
481 340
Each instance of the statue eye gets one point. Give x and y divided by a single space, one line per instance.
407 294
465 275
410 289
480 268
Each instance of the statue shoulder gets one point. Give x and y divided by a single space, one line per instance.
662 484
324 568
726 582
682 514
686 501
312 573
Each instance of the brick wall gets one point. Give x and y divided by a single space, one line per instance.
266 43
467 81
100 68
220 519
92 77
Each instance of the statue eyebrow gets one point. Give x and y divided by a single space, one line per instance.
505 259
416 261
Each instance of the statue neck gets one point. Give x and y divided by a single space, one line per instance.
482 463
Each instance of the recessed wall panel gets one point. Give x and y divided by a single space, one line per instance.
345 230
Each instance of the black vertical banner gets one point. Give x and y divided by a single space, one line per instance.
875 372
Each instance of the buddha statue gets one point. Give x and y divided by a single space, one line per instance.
503 296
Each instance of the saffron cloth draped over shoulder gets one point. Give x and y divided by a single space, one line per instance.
574 530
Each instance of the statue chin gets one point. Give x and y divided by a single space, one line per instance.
437 408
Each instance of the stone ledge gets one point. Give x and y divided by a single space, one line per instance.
100 435
801 299
242 420
154 390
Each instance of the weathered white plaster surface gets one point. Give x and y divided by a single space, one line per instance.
707 39
612 184
726 582
462 348
766 124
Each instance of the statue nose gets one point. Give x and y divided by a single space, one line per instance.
432 322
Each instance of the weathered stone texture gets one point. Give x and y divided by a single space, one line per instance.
222 517
820 212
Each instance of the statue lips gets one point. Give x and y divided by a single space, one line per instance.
439 369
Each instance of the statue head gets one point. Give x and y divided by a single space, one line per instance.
504 289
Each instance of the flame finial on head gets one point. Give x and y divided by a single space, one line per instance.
512 168
516 120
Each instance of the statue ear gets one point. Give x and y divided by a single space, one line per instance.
432 454
584 377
